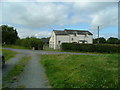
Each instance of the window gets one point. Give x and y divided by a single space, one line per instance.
75 34
59 42
72 39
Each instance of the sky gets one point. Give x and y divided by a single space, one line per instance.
39 19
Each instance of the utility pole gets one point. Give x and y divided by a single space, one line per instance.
98 34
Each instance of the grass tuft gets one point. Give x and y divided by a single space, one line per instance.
21 86
14 46
8 54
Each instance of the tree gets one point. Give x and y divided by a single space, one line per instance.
118 42
9 34
45 40
95 41
31 42
113 40
102 40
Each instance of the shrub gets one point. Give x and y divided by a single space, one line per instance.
102 48
31 42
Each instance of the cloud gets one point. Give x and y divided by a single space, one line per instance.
38 15
43 34
17 0
33 15
25 32
106 18
59 0
102 14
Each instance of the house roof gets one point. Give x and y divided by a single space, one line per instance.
68 31
58 32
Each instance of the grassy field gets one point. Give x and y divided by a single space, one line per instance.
12 76
14 46
8 54
81 71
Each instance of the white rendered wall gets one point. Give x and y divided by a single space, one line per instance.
62 38
76 38
54 40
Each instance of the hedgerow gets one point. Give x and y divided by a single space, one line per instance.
102 48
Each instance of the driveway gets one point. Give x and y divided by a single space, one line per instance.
34 74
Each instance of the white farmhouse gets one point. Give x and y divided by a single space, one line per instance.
69 36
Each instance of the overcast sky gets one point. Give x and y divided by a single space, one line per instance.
40 18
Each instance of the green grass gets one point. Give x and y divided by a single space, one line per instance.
46 48
8 54
0 49
81 71
13 75
14 46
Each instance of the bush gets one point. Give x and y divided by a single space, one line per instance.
31 42
102 48
113 40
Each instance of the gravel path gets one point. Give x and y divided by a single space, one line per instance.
10 63
33 75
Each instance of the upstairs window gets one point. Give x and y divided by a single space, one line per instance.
75 34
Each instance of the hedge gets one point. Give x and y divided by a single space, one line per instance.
102 48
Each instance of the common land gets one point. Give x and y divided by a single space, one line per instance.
67 69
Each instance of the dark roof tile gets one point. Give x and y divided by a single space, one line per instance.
68 31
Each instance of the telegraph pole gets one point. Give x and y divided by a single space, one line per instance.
98 34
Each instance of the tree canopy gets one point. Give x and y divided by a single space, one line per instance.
9 34
102 40
113 40
31 42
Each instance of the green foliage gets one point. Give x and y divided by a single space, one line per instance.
31 42
15 46
102 48
12 76
113 40
110 40
45 40
8 54
9 34
81 71
102 40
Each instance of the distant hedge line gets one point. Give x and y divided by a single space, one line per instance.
102 48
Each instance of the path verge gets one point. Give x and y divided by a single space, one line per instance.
13 75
